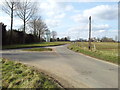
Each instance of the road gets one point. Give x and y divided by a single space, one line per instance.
69 68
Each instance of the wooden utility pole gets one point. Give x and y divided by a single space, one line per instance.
89 33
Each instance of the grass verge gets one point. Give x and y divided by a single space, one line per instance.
103 51
18 75
42 44
38 49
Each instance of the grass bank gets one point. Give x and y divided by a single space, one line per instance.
18 75
38 49
107 51
42 44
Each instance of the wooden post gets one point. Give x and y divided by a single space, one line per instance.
89 33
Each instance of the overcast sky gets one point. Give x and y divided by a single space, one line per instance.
71 18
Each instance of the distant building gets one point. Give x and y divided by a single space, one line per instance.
47 32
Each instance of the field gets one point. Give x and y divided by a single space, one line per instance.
102 50
42 44
18 75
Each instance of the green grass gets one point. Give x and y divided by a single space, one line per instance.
38 49
42 44
107 51
18 75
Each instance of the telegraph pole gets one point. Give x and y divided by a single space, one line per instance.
89 33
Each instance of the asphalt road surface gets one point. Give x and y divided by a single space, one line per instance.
69 68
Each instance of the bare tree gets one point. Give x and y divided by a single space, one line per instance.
68 38
38 25
9 7
33 24
54 34
25 11
41 27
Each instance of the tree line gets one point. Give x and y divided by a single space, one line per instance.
27 12
94 39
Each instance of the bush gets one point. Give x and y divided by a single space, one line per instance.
17 37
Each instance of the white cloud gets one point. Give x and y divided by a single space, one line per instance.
53 13
101 31
69 8
50 14
105 33
78 28
49 6
80 18
52 9
105 12
85 28
62 34
81 31
62 15
102 12
101 27
44 5
77 31
52 22
6 20
1 3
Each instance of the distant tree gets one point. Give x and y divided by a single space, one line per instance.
106 39
38 26
8 7
98 40
25 11
33 24
67 38
58 39
41 27
62 39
